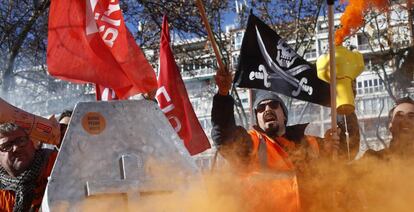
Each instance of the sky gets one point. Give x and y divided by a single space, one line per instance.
229 18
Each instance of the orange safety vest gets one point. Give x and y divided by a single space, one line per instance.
7 198
272 182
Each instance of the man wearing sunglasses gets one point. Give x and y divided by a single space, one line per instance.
23 170
271 152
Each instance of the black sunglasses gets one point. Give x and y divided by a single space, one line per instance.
262 107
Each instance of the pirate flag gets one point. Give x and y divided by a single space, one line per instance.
268 62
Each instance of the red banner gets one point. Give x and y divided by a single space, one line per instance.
89 42
173 99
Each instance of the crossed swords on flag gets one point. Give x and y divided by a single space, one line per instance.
287 75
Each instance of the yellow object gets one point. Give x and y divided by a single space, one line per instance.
39 129
349 64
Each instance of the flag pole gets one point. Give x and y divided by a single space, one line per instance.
332 70
220 63
210 35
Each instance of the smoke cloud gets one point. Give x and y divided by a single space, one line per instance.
40 94
353 17
371 184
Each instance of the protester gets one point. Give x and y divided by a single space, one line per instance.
64 120
401 126
24 170
380 174
270 151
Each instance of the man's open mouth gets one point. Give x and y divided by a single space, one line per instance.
269 117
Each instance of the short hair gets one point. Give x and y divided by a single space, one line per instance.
8 127
65 113
406 99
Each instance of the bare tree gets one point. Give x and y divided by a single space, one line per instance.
23 40
22 36
389 37
292 20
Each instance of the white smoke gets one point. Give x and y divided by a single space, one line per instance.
39 93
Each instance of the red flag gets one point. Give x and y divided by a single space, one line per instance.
89 42
104 94
173 99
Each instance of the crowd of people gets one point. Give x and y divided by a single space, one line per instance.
272 159
291 161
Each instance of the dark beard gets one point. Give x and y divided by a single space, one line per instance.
272 132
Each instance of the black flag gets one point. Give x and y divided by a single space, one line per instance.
268 62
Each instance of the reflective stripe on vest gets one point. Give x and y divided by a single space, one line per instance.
262 153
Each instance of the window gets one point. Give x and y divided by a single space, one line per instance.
323 27
323 46
310 54
235 61
378 104
376 88
238 38
368 106
363 42
360 106
362 39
